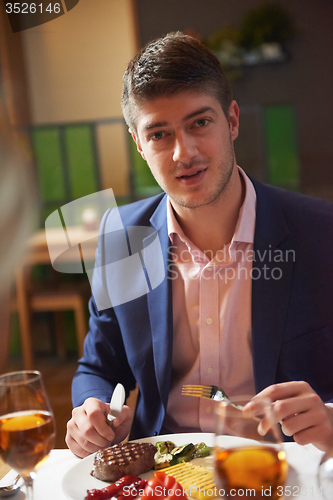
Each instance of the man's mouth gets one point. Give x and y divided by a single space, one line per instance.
191 174
192 178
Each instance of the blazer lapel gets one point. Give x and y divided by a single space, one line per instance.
160 310
271 281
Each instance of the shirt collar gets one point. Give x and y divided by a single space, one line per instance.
245 226
173 226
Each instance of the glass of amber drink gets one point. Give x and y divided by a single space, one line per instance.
247 463
27 429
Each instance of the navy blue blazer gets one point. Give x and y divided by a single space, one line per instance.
292 310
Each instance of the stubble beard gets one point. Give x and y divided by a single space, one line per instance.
213 196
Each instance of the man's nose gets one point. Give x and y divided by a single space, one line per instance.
185 148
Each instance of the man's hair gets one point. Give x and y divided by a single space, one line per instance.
169 65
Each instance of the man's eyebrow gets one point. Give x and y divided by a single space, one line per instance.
197 112
155 125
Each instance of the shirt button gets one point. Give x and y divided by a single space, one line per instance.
208 409
210 369
209 321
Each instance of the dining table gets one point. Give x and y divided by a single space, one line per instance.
302 482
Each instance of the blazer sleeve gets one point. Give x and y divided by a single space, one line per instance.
104 362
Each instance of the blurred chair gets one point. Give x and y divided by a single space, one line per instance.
31 298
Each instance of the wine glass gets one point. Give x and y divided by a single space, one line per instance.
27 428
245 462
325 475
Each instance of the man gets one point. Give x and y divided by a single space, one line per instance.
246 299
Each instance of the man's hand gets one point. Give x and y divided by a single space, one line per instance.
301 413
88 431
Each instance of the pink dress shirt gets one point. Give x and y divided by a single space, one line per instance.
211 319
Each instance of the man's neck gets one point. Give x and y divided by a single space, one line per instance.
212 226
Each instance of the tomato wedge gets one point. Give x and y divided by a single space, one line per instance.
162 487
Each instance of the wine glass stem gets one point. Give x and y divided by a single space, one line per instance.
29 482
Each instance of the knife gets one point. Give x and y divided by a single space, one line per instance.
116 403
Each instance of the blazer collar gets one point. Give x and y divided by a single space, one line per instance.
270 216
271 282
159 217
160 309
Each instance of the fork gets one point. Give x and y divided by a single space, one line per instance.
208 392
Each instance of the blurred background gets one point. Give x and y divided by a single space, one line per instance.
60 88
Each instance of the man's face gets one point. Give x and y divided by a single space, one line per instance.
187 142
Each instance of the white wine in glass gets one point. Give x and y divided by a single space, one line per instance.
27 428
247 464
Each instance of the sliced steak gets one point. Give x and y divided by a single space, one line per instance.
122 459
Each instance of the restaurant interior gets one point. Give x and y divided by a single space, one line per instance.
60 88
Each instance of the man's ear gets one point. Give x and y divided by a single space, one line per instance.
234 120
138 145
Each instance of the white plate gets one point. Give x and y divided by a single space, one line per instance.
78 480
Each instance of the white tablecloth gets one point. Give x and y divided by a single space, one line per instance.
302 482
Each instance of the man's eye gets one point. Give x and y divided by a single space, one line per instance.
201 122
157 135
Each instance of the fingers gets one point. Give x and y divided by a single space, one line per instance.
313 424
285 390
288 399
80 448
320 434
287 409
125 415
261 409
87 431
122 425
300 411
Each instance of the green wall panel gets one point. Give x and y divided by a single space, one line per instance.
81 162
143 180
49 163
283 162
68 167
